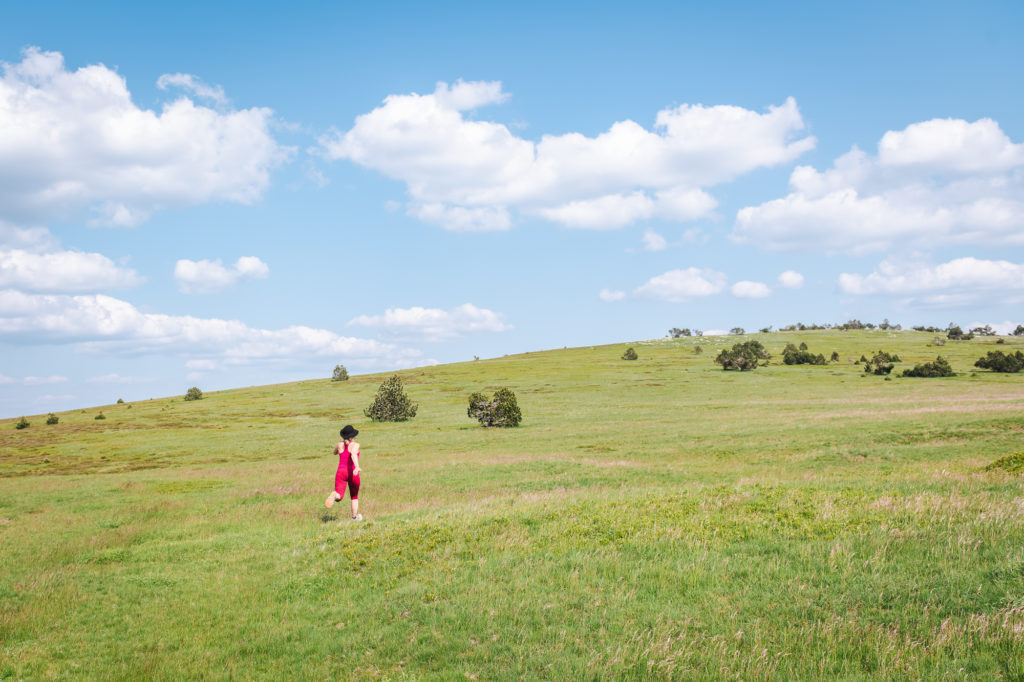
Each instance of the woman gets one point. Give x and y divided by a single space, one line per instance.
348 471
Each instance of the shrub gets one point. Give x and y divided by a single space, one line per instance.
803 346
939 368
1019 331
880 363
1012 463
697 350
835 356
52 418
998 361
630 354
340 373
743 356
120 401
938 341
676 332
955 333
737 331
502 410
391 404
23 424
193 394
1000 341
99 416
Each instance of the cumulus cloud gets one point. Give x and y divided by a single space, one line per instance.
935 183
113 378
434 324
611 295
468 174
958 282
677 286
205 276
654 241
746 289
62 271
192 84
791 279
101 323
75 140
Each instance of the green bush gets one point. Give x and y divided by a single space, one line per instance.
880 363
998 361
193 394
630 354
23 424
791 355
391 404
120 401
835 356
52 418
99 416
697 350
340 373
743 356
502 410
1012 463
939 368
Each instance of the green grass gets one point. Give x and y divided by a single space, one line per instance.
649 519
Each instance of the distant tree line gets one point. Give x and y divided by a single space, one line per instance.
952 330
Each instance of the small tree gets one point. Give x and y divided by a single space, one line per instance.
743 356
120 401
193 394
803 346
676 332
737 331
391 404
99 416
835 356
998 361
340 373
939 368
52 419
502 410
23 424
878 364
1019 331
630 354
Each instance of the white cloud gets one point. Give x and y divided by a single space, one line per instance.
79 142
39 381
748 289
935 183
462 219
62 271
205 276
1004 328
958 282
193 84
654 241
4 379
103 324
434 324
611 295
791 279
627 173
677 286
113 378
205 365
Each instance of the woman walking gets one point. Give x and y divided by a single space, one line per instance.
348 471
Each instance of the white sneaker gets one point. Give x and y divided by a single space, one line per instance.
357 517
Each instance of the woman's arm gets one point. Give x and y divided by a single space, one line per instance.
355 459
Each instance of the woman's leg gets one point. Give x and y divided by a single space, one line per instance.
353 492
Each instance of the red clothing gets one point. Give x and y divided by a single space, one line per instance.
346 475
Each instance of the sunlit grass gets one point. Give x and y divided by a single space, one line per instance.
650 518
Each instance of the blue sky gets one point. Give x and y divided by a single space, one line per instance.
227 194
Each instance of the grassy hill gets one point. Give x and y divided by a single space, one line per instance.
650 518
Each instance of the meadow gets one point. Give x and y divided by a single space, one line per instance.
650 519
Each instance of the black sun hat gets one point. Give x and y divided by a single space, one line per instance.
348 433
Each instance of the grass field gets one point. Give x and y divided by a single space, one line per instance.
657 518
